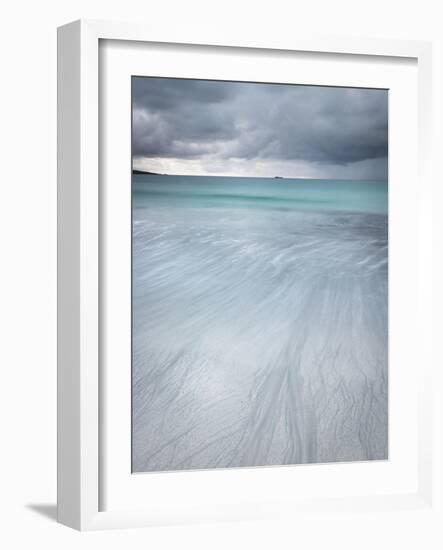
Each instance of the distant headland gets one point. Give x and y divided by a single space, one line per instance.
145 172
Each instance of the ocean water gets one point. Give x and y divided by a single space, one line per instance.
260 312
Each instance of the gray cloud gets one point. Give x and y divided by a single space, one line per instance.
224 126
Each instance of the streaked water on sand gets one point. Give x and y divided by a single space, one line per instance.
259 322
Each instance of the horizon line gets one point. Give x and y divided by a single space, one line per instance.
148 173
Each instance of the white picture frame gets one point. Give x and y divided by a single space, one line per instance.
82 437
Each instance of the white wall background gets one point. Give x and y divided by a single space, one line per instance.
28 267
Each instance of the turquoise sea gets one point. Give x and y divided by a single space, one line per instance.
228 192
260 310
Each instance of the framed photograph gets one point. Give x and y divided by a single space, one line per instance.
243 276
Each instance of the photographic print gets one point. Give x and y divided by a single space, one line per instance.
259 274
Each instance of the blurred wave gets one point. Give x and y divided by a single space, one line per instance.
259 332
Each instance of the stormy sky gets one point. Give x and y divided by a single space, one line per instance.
245 129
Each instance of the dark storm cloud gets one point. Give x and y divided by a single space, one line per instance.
225 121
181 117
